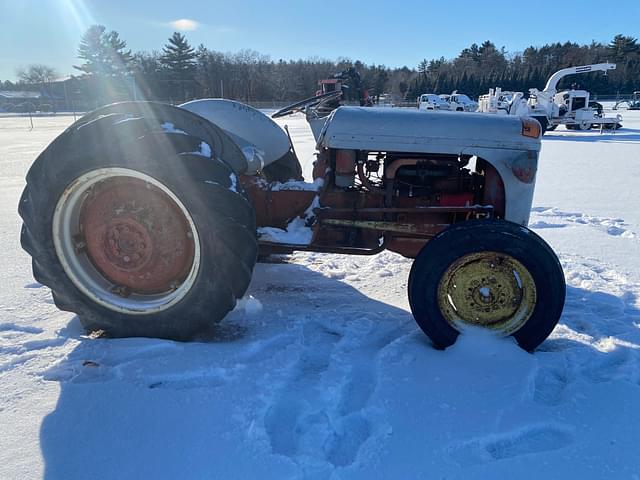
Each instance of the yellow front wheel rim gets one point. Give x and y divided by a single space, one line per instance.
487 289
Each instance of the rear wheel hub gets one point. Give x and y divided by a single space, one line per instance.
136 235
126 240
128 245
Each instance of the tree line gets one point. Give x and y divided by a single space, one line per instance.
478 68
109 71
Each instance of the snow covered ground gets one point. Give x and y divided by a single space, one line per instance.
321 371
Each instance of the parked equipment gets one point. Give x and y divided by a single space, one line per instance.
551 108
350 84
632 104
147 219
459 102
431 101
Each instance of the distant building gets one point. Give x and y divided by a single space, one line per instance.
17 96
26 101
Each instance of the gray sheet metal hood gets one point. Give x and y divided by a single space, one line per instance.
409 130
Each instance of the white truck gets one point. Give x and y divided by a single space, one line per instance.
459 102
551 108
431 101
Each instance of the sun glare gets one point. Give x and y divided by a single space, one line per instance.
78 12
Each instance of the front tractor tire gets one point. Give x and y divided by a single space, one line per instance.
137 228
490 274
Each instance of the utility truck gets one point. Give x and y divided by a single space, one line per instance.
551 108
147 219
459 102
431 101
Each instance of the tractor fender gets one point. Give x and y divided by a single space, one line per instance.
513 166
261 140
223 146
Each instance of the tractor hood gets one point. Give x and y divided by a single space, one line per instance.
407 130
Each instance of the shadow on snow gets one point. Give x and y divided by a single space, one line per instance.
257 392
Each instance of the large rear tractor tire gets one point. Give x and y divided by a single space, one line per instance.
491 274
138 228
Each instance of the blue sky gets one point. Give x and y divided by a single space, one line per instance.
391 33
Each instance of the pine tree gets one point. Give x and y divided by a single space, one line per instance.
178 56
103 52
622 46
179 61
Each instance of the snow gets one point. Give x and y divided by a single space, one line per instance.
249 304
321 372
298 185
169 127
234 182
205 149
298 231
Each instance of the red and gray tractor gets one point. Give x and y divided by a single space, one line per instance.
147 219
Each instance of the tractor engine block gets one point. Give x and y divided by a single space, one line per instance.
428 177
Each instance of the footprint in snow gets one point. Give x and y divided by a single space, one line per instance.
362 381
550 384
98 371
532 439
341 449
289 420
302 422
214 377
265 348
541 224
81 371
612 226
610 366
